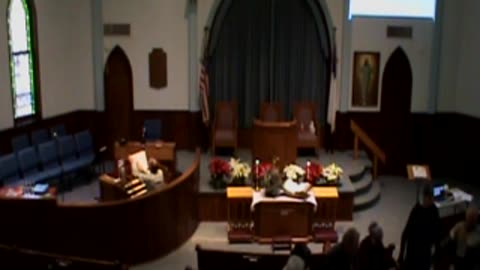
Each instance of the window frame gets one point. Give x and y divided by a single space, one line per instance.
33 59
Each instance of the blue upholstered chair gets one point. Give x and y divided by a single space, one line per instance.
68 154
153 129
9 170
85 148
20 142
48 154
39 136
28 163
58 131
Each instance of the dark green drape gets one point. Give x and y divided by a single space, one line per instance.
269 50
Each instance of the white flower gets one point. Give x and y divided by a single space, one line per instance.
332 172
239 169
293 171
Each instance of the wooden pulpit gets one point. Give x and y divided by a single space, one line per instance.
275 140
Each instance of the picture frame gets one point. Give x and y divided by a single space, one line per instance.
365 90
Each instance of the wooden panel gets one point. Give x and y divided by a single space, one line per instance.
130 231
157 60
212 206
283 219
275 140
345 207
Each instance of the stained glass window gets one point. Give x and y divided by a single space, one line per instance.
21 59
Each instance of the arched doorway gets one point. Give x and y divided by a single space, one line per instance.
269 51
118 96
397 85
395 109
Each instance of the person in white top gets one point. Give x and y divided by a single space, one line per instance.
466 235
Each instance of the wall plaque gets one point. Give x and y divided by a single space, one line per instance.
157 60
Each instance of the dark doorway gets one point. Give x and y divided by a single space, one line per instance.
395 110
118 96
397 85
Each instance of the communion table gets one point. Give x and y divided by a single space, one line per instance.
254 217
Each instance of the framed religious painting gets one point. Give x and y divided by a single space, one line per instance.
365 90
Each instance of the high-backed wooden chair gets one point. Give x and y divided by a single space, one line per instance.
271 112
308 128
225 126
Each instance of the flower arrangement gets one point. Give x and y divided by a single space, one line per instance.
220 171
313 171
332 172
240 171
294 172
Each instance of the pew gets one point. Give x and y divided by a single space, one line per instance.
15 258
213 259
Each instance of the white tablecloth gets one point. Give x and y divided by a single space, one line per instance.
456 205
259 196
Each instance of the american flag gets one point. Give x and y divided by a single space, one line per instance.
204 82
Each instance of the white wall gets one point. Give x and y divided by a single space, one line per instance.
65 56
6 111
369 34
153 24
450 39
65 59
468 71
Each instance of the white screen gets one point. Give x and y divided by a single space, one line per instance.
393 8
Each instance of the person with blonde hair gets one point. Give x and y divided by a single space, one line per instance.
466 237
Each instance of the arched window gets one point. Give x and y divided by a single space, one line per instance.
21 41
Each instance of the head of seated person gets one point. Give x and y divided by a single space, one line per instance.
153 165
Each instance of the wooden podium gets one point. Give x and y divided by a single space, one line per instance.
275 140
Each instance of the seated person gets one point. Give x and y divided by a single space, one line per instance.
372 254
146 170
299 258
466 238
343 255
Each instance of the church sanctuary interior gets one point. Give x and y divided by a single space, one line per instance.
239 134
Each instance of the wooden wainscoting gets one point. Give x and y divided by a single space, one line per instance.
183 127
439 139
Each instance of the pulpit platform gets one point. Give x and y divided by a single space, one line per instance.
213 203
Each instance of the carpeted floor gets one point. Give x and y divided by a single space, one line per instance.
398 196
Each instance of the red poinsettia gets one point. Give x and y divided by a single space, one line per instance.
263 169
313 171
219 166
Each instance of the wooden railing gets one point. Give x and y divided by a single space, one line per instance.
360 135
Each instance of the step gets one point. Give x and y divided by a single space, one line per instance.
364 184
360 175
368 199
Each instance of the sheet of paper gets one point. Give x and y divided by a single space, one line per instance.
419 172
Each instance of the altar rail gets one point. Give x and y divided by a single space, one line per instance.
361 135
130 231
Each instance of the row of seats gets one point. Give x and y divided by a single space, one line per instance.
37 137
48 160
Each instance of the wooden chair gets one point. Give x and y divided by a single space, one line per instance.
225 126
271 112
308 135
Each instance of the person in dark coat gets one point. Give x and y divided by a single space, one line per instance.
372 254
343 255
421 234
